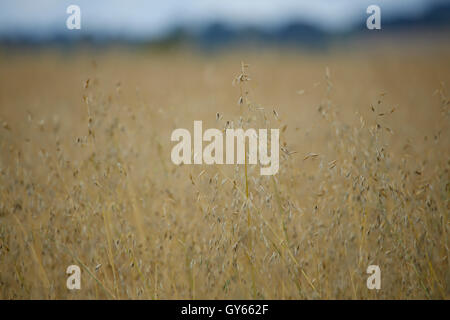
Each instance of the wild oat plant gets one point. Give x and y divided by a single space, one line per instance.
86 179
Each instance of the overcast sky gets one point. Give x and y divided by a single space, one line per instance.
147 18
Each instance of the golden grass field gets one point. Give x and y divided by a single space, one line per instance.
86 176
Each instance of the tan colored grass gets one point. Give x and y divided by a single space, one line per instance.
86 176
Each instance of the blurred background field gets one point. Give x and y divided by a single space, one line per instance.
86 176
